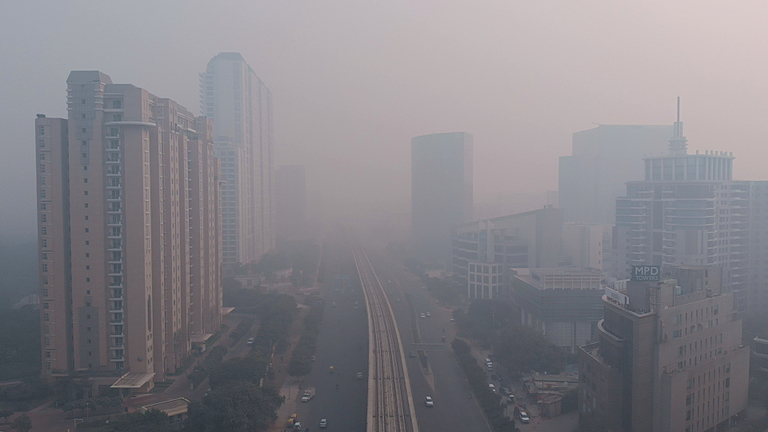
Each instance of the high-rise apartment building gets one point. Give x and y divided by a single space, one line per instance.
603 159
128 224
441 191
689 211
669 357
290 202
240 106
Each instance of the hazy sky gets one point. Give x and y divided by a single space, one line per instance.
353 81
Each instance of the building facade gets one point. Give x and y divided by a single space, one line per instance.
602 161
290 202
524 240
115 241
240 105
564 304
690 211
669 357
441 191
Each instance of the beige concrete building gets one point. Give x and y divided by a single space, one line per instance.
240 105
669 357
116 242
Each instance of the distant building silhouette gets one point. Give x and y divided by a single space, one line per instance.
441 191
290 202
602 161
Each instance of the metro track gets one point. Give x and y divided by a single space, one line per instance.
390 400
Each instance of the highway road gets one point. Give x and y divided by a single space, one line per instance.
455 406
343 344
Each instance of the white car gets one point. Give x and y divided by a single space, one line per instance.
359 375
429 314
323 423
423 315
429 402
492 388
250 341
524 417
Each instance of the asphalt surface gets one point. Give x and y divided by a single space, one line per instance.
455 407
343 344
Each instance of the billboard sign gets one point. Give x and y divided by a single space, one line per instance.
646 273
616 296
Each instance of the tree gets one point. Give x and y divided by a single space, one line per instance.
5 414
22 423
247 369
235 407
149 421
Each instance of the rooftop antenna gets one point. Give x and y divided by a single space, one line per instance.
678 145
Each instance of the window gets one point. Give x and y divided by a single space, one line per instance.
44 242
43 206
42 168
42 156
43 218
87 242
42 130
46 317
45 267
47 365
47 341
87 230
117 104
728 382
42 143
85 180
87 267
86 205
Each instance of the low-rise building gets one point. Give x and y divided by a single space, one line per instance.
564 304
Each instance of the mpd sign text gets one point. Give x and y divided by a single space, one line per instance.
646 273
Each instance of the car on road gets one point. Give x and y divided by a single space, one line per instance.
429 402
453 319
511 399
323 423
492 388
429 314
523 416
423 315
359 375
489 366
487 360
334 304
412 354
297 426
250 341
313 358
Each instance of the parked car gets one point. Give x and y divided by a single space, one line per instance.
323 423
429 402
250 341
492 388
359 375
505 391
423 315
429 314
412 354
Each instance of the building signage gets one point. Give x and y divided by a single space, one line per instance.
616 296
646 273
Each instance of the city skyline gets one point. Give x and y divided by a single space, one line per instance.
509 108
